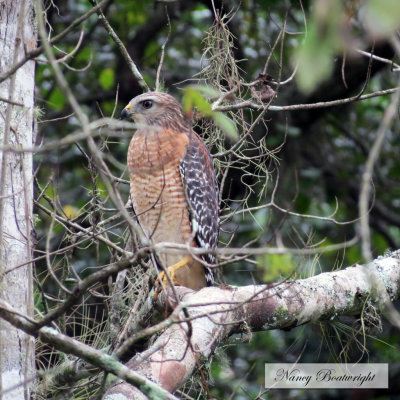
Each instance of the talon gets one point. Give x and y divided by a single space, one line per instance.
162 280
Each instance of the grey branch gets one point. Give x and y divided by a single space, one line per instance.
71 346
216 313
256 106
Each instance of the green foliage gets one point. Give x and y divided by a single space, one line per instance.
323 40
382 17
107 78
84 55
226 125
193 98
329 34
57 100
275 266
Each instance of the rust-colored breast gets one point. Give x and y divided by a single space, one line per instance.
156 188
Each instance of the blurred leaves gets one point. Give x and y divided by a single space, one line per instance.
70 211
275 266
322 41
226 125
107 78
382 17
57 100
330 33
194 98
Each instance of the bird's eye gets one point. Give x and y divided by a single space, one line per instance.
147 104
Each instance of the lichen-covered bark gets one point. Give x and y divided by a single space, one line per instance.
16 192
215 313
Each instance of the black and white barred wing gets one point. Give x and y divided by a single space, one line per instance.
200 183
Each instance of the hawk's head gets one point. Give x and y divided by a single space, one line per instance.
156 109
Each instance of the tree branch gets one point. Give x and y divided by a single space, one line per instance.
256 106
363 203
71 346
216 313
39 50
132 66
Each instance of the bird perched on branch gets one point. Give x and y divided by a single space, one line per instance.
173 187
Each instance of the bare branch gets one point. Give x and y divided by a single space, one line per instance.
83 119
367 176
71 346
255 106
381 59
160 64
39 50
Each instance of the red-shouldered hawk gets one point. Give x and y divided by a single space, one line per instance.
173 185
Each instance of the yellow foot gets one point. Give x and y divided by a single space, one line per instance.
162 280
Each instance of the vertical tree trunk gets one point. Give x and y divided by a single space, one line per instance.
17 36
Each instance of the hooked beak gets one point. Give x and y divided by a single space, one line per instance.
126 112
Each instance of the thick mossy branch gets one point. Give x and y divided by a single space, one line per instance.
216 313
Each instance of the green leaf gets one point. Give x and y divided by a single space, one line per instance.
382 17
206 91
192 98
57 99
84 55
324 38
107 78
226 125
275 266
303 203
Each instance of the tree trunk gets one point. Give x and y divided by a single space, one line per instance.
17 36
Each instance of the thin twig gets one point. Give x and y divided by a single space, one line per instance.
14 103
377 58
255 106
136 73
39 50
163 52
363 203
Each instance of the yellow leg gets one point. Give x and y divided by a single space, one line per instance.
162 280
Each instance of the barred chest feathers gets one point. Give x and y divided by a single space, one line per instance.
156 188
